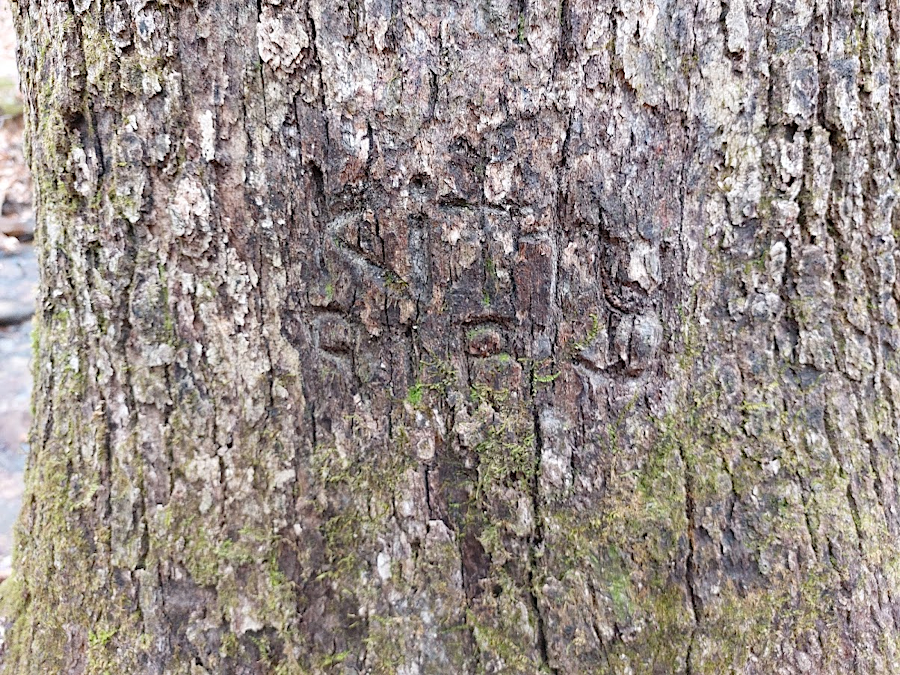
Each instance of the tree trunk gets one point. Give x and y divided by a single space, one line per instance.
461 337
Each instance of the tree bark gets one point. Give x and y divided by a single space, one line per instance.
460 337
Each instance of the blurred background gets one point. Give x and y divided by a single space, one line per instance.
18 284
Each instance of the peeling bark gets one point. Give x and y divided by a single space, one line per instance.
417 337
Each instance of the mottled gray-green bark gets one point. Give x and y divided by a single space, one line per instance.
383 336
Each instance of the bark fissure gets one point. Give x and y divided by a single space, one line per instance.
690 562
536 541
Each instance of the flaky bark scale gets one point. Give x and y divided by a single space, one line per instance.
462 337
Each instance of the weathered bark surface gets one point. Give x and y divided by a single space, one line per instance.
456 337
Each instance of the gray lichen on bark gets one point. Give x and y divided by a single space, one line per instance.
462 337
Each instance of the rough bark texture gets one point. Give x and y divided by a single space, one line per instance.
405 336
